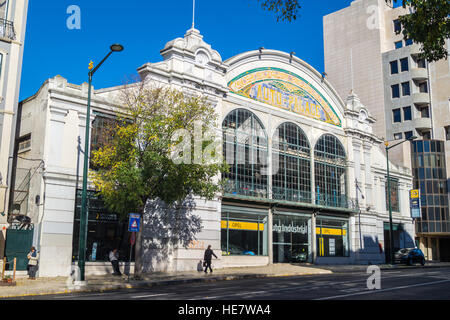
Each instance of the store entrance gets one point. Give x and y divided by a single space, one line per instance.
291 239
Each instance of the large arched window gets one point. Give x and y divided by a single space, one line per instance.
291 164
245 151
330 163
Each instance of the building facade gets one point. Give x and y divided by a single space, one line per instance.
364 52
307 178
13 16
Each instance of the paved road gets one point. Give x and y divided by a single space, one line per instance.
405 284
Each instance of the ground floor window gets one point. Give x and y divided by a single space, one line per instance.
291 238
332 237
106 231
244 234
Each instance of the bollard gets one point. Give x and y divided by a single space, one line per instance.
3 268
14 272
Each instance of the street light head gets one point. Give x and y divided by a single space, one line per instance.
412 138
116 47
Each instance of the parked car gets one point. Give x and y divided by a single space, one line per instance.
410 256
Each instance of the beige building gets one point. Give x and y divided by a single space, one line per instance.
13 15
407 95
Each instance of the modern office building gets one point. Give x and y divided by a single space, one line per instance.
407 95
13 16
300 160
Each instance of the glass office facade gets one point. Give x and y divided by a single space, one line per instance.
430 177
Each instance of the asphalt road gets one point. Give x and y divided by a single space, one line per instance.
403 284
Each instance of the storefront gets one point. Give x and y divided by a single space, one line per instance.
244 231
332 237
106 231
291 237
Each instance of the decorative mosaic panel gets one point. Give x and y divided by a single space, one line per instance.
285 90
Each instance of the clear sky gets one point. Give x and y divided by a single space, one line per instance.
143 27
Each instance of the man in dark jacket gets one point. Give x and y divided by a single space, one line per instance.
208 257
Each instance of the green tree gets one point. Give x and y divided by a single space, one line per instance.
427 24
141 161
285 9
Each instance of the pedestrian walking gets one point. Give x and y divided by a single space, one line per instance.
207 259
33 261
114 258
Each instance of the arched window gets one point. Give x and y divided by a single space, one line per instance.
291 164
245 151
330 163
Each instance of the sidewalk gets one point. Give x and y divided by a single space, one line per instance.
45 286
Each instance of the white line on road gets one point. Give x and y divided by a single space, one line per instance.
383 290
150 296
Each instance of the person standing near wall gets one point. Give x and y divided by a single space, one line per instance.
33 260
114 258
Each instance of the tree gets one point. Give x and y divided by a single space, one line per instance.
286 9
149 154
427 24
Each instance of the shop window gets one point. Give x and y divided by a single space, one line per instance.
291 164
394 194
245 151
332 238
291 239
397 115
395 91
244 234
106 231
394 67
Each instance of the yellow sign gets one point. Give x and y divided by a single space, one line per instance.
239 225
331 232
414 194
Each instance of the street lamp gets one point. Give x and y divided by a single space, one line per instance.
391 236
84 211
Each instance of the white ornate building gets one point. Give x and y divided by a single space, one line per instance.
295 149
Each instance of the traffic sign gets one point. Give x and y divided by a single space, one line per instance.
134 222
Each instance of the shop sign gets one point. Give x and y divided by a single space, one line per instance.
290 229
331 232
240 225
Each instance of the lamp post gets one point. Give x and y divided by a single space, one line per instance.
391 235
84 211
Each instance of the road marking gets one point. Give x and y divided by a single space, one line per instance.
384 290
151 295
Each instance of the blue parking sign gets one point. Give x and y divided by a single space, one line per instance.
134 222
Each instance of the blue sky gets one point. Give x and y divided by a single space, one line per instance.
144 27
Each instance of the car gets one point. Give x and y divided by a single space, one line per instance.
410 256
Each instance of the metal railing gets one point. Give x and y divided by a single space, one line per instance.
7 29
